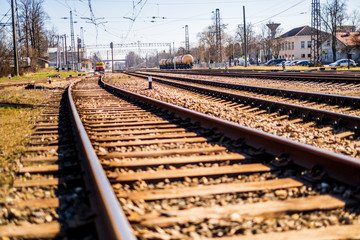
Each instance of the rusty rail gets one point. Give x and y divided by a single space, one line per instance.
337 119
327 76
313 96
337 166
110 220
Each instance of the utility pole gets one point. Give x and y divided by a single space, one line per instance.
174 56
218 36
63 50
315 32
58 56
245 47
72 40
112 56
59 50
66 54
82 36
60 47
157 59
16 58
187 44
78 53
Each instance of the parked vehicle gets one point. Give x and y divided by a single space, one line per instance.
280 64
293 63
273 62
343 63
304 63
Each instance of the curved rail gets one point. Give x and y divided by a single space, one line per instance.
349 121
333 76
318 97
111 221
340 167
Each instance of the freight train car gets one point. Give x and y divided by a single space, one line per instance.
180 62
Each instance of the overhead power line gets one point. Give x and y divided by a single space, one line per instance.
5 14
280 12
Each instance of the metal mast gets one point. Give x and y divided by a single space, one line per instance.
218 36
315 32
245 41
66 53
82 36
16 58
187 44
72 40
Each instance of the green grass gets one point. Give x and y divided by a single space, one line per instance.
43 74
16 125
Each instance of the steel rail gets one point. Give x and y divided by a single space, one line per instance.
337 166
110 219
313 96
312 114
275 74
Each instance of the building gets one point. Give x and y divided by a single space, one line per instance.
346 43
295 44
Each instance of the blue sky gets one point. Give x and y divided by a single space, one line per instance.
164 20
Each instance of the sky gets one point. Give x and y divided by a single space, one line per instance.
163 21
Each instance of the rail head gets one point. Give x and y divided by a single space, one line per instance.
113 224
352 122
338 98
336 166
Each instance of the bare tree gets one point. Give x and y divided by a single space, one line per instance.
355 19
32 23
197 52
96 57
207 42
333 15
270 46
252 41
229 48
132 59
5 53
52 38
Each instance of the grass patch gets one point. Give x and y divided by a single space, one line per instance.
16 126
42 74
20 95
121 77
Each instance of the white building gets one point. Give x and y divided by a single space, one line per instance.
296 44
346 43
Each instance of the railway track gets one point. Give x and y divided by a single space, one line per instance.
304 110
48 198
332 76
180 174
330 99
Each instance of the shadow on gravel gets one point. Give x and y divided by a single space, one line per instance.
74 210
